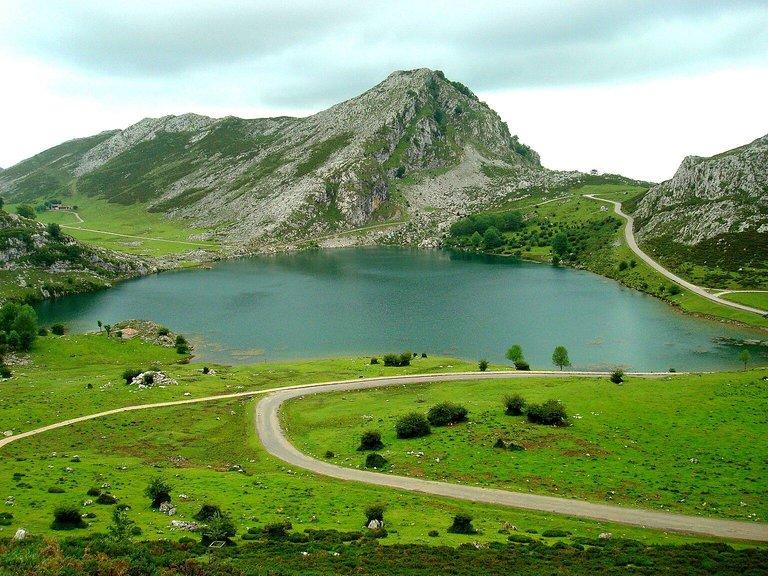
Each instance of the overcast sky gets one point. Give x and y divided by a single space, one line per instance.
622 86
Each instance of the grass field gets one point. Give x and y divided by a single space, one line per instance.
756 299
685 443
196 447
168 236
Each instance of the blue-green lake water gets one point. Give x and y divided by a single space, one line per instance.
370 301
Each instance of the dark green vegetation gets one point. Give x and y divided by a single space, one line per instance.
331 552
685 443
18 328
413 425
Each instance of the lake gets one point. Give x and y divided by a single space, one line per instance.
370 301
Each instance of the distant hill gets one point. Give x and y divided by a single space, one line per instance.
713 211
417 147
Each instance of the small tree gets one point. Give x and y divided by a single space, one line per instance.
744 356
54 231
483 365
99 324
120 529
158 491
515 353
492 238
25 211
58 329
182 346
108 329
375 511
219 528
560 357
413 425
371 440
617 376
514 405
462 524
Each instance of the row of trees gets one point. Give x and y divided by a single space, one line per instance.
515 355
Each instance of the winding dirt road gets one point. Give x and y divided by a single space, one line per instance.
276 443
629 236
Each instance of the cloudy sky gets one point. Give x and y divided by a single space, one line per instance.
621 86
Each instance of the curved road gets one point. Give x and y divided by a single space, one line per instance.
275 442
629 236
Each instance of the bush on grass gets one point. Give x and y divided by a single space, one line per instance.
551 413
446 413
413 425
462 524
375 460
67 518
371 440
514 405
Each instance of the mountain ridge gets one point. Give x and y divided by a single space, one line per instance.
412 150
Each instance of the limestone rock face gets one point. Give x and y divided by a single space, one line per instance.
709 197
417 147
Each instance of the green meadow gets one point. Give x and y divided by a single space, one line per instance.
209 452
684 443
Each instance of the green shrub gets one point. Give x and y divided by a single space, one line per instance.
375 460
446 413
433 533
163 331
206 512
130 373
522 365
521 539
403 359
182 346
413 425
67 518
551 412
42 331
55 490
25 211
58 329
617 376
462 524
371 440
330 454
106 498
5 371
94 492
278 530
514 405
6 518
483 365
375 511
374 360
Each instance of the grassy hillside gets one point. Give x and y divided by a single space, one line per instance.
591 237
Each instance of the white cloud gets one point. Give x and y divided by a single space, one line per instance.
640 129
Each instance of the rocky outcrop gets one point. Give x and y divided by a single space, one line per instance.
707 198
416 147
